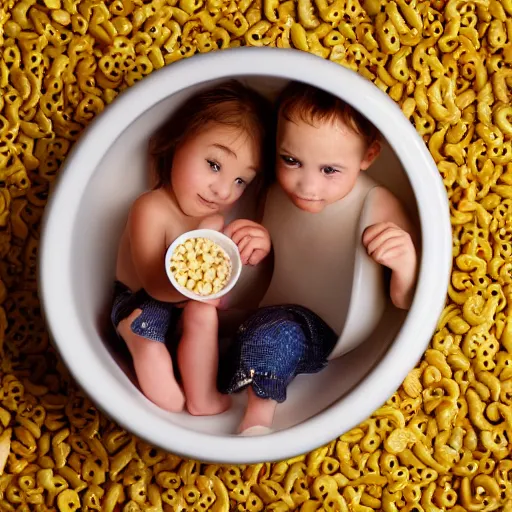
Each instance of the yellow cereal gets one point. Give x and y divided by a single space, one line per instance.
193 264
200 266
181 279
209 275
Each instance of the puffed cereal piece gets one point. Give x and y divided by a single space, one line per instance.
181 279
209 275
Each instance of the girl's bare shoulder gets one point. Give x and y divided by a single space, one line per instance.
153 206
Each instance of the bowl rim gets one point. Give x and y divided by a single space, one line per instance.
95 374
236 267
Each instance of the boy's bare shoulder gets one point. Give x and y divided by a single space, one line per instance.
386 207
383 196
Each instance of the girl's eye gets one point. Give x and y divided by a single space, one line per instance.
213 165
289 160
329 171
240 181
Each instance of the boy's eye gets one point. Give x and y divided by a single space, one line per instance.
289 160
240 181
213 165
329 171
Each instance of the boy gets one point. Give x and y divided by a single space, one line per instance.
323 146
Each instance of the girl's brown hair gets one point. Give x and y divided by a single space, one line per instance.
310 104
229 104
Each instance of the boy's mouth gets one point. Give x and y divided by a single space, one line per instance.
308 204
307 199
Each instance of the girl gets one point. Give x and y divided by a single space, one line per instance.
203 158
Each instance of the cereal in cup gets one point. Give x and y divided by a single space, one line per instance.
201 266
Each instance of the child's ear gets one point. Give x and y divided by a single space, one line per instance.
371 154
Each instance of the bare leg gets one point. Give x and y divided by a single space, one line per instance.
153 366
198 357
259 412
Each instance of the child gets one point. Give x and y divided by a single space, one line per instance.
323 145
204 157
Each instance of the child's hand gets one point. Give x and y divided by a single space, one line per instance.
252 239
389 245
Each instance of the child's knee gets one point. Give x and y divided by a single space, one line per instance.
124 327
199 315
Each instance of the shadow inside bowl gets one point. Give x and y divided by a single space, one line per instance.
102 214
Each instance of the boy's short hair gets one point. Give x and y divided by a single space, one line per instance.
310 104
229 104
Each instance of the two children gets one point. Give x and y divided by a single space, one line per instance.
204 158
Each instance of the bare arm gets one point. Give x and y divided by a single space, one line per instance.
391 241
147 224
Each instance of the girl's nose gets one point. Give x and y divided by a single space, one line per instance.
221 189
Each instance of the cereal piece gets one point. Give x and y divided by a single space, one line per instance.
207 288
197 275
209 275
193 264
182 279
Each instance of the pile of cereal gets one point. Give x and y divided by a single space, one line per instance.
443 440
201 266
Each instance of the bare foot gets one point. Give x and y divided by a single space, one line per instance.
257 430
259 412
216 404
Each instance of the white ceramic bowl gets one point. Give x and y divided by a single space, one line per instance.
86 214
224 243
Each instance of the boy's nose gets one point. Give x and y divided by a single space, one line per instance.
307 186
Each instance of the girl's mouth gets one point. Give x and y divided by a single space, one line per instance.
209 204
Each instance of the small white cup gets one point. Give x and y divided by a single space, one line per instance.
225 243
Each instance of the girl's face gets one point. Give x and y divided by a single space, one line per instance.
318 164
211 170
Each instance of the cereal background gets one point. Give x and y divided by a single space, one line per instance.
442 442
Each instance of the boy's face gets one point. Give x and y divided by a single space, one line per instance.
318 164
211 170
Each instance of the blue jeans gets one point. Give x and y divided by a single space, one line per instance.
158 320
272 347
